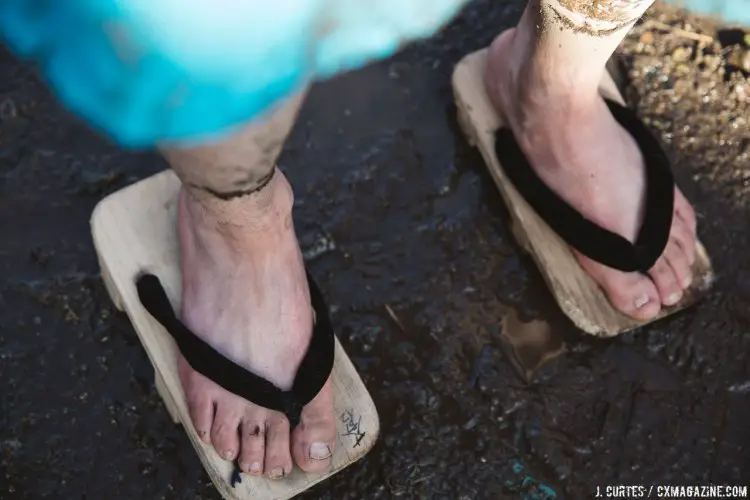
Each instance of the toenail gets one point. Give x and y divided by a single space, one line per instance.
227 454
253 468
687 282
641 301
276 473
320 451
674 298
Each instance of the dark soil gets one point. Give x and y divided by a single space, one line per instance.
395 211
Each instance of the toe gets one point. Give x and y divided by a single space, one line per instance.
314 439
666 282
253 444
200 403
678 261
630 293
278 461
225 430
685 212
682 235
201 409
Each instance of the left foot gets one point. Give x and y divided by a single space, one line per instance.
578 149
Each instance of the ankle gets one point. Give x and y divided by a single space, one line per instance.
548 59
542 76
539 97
266 211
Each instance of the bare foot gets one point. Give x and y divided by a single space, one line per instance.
245 292
578 149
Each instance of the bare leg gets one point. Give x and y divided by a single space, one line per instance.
543 77
245 292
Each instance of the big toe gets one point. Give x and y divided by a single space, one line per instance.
314 438
630 293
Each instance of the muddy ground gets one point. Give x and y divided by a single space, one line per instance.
394 209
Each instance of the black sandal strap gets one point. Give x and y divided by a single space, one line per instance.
311 375
591 240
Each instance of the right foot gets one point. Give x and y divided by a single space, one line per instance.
245 292
578 149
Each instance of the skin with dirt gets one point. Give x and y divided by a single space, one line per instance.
226 177
615 11
405 231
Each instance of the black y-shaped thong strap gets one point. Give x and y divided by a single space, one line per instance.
595 242
311 375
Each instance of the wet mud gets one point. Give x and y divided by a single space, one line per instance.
485 390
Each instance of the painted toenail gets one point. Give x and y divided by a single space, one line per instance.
641 301
320 451
227 454
674 298
276 473
256 468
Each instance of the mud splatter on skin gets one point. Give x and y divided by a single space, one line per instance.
255 186
614 11
561 19
243 162
594 17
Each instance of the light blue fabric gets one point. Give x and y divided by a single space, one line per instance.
729 11
148 71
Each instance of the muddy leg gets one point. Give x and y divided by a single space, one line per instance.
245 292
585 32
239 165
543 77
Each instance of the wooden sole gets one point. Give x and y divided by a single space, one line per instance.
577 294
134 230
